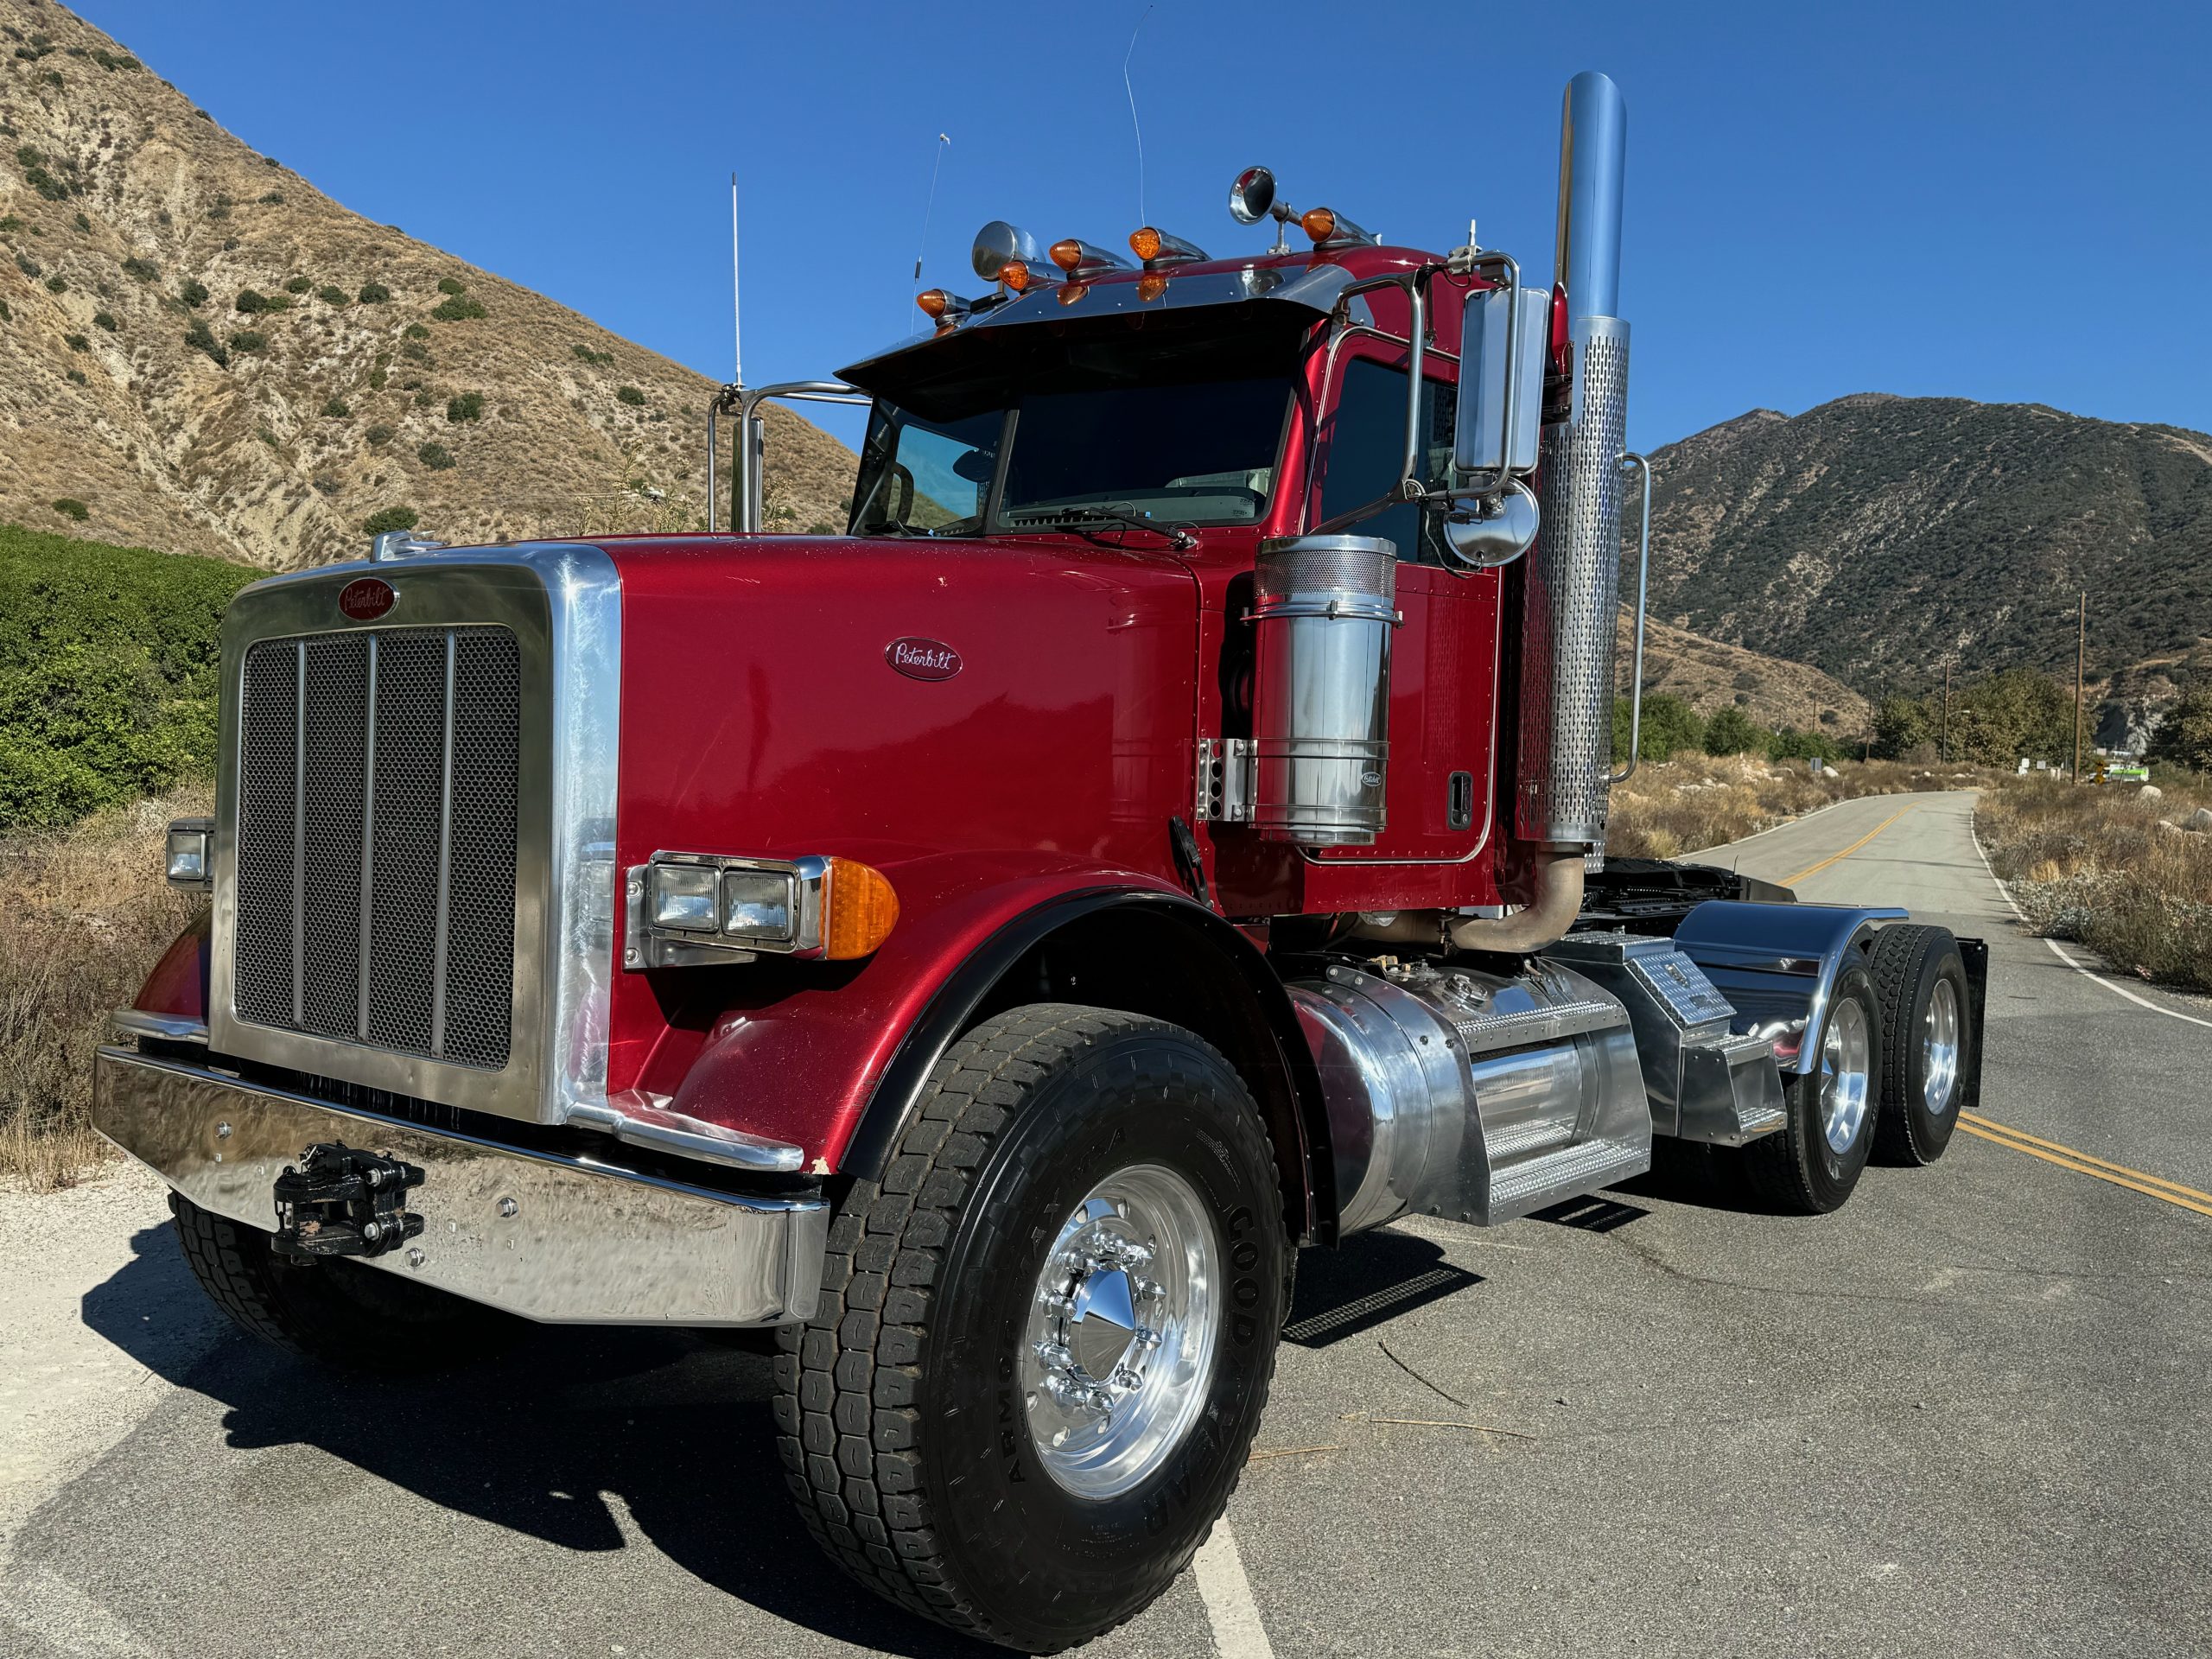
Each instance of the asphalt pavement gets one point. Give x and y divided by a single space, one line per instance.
1969 1414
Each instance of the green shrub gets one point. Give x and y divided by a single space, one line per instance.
330 293
78 375
145 270
28 266
459 309
586 354
414 331
105 320
193 293
57 284
28 156
373 294
249 340
452 285
70 507
200 338
250 303
415 352
631 396
380 435
435 456
275 199
6 316
113 61
298 284
1733 731
390 518
78 342
45 184
376 379
108 671
470 406
337 409
82 222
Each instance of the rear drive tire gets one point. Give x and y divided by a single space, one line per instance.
1810 1165
1926 1040
344 1314
1045 1337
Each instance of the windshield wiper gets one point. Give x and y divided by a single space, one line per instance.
1047 517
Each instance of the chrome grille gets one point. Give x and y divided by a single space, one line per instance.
376 839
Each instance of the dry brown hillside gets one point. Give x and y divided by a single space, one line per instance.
132 232
1709 676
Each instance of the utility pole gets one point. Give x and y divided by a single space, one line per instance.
1947 714
2081 643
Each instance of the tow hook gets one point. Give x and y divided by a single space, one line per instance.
338 1200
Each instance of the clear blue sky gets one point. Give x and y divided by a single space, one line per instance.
2010 203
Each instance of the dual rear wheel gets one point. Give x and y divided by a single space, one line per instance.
1888 1069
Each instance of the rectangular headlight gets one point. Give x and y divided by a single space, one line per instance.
189 863
683 896
758 904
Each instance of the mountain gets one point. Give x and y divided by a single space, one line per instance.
201 352
1711 675
1880 538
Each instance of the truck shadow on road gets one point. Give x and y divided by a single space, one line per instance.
552 1441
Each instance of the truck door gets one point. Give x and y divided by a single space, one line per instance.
1443 658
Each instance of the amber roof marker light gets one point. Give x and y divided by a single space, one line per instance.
1156 247
1331 229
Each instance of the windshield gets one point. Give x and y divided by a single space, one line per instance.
1077 430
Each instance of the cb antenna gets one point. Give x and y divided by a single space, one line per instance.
737 310
928 207
1137 127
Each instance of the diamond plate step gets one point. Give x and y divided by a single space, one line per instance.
1569 1172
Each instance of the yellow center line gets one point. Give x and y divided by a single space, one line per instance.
2082 1163
1833 858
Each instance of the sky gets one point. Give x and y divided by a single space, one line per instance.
1821 199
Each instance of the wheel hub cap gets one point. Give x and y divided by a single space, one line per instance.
1120 1348
1846 1053
1940 1045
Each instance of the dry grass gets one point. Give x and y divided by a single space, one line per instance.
2111 867
1680 806
84 914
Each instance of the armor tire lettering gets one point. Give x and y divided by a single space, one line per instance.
901 1412
1908 962
1795 1169
341 1313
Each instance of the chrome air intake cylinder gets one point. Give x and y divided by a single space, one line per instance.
1322 611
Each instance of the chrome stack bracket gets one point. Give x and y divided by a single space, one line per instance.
1226 766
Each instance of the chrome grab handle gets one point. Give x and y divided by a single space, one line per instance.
1642 587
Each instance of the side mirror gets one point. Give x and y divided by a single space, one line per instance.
1505 331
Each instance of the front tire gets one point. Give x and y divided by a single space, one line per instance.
1045 1337
339 1313
1812 1164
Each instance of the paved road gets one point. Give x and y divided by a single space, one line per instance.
1969 1415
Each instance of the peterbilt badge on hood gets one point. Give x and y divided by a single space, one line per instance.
923 659
366 598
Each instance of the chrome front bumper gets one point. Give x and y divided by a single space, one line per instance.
558 1239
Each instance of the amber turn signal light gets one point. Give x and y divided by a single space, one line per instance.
1015 275
934 301
859 910
1145 244
1067 254
1318 223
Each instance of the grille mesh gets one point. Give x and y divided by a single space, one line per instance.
379 767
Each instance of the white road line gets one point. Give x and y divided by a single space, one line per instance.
2057 950
1238 1632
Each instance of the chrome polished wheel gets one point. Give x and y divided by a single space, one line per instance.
1939 1048
1120 1348
1846 1054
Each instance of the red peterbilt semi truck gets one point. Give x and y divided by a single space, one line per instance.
1164 830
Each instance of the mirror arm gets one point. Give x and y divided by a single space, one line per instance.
1643 589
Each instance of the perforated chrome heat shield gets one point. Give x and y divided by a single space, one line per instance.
1573 577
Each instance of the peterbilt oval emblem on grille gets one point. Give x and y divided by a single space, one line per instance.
366 599
923 659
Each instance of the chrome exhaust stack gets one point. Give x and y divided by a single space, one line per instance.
1573 576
